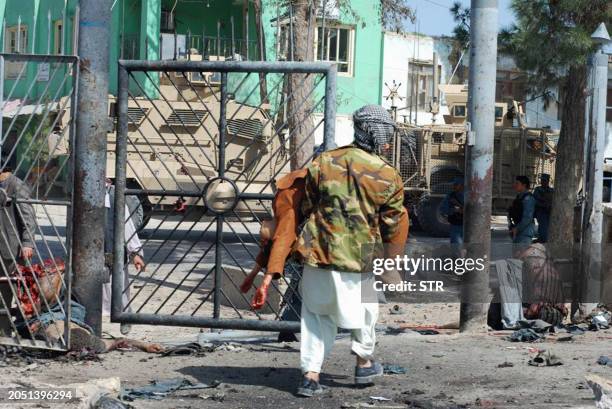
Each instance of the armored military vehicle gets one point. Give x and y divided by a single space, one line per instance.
430 157
173 148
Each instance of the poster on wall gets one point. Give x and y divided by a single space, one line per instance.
42 74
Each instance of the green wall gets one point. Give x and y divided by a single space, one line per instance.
140 20
364 85
34 15
134 19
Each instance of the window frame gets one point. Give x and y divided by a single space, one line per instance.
350 45
415 68
57 37
9 32
13 68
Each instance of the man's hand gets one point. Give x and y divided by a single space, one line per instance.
261 295
27 253
138 263
514 232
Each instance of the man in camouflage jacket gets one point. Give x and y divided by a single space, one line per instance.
355 202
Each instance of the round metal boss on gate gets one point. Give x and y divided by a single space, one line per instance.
220 195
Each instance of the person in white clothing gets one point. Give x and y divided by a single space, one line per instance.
133 248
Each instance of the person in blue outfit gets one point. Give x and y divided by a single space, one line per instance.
452 208
521 213
543 196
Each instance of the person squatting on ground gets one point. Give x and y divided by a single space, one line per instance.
133 248
520 214
354 199
543 196
452 208
277 238
17 222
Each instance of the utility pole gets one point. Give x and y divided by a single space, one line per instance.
90 160
593 216
479 162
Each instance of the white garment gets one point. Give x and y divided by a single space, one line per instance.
332 299
132 241
134 246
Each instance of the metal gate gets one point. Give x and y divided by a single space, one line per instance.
198 148
37 94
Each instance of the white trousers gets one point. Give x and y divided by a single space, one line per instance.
332 299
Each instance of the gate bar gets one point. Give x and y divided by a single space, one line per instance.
191 321
120 177
231 66
329 130
220 217
40 58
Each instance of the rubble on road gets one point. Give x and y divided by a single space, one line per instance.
159 389
602 388
545 358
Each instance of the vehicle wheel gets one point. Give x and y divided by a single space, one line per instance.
430 218
442 178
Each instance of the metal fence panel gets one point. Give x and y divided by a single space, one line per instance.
37 94
197 150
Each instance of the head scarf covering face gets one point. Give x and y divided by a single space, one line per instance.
373 128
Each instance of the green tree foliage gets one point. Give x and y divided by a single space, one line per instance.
461 31
551 36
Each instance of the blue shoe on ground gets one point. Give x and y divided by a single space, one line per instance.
309 388
365 376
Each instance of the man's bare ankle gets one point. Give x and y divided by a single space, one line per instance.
363 363
313 376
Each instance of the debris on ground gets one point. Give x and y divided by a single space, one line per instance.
577 329
15 356
505 365
396 310
545 358
97 393
604 360
599 321
391 369
380 398
158 389
107 402
538 325
372 404
602 389
191 348
525 335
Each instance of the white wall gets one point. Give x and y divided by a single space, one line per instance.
399 49
344 129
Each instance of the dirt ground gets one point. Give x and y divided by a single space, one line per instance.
443 371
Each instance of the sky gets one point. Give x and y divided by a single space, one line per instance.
434 16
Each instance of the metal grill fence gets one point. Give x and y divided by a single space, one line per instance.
36 145
200 144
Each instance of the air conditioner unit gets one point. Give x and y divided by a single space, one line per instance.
166 21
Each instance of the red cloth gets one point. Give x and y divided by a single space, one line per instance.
28 291
287 216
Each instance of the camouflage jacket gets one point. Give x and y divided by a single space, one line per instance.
355 202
